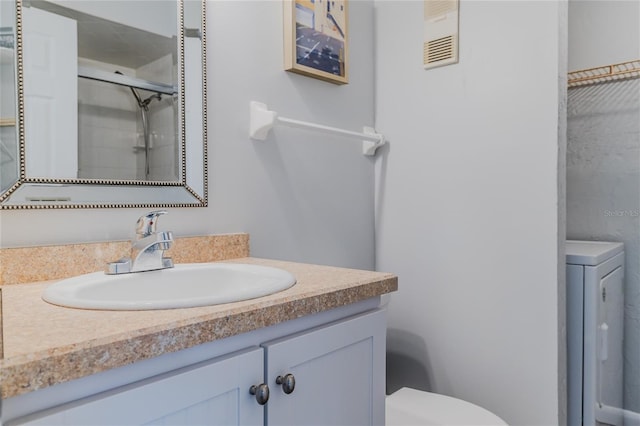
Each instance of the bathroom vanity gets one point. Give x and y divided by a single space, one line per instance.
312 354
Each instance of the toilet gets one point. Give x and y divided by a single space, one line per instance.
413 407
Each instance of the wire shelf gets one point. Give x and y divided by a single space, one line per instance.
604 74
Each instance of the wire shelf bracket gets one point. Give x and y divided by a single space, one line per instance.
262 120
603 74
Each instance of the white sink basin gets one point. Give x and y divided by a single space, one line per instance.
184 286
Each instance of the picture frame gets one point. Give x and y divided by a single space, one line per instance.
316 39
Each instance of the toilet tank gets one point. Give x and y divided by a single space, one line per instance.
595 314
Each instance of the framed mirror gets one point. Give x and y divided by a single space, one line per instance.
109 105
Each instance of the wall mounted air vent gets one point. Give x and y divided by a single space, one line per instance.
440 32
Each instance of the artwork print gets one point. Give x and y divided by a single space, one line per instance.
316 39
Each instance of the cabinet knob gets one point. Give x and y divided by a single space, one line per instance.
288 382
261 392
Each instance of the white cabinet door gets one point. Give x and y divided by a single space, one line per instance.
339 374
214 392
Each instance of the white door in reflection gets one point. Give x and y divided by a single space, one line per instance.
50 88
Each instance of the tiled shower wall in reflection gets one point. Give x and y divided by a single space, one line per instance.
111 136
107 127
163 158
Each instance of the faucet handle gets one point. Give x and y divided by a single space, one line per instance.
146 224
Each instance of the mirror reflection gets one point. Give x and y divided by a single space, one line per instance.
8 134
100 90
107 105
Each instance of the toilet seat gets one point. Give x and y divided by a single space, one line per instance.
413 407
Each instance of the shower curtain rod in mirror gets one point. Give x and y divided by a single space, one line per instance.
125 80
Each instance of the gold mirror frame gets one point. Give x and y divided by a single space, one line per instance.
108 187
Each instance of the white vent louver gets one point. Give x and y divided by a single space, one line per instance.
440 32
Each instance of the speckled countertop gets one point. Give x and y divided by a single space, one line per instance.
46 344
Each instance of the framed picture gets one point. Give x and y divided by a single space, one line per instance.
316 39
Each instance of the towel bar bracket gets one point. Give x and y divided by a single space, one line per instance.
261 121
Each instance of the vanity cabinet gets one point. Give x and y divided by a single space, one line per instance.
338 368
208 393
339 373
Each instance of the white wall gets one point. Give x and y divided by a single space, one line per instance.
468 205
302 196
603 32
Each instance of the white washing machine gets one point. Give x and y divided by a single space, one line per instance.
595 317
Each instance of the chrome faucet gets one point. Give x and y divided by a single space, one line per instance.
147 250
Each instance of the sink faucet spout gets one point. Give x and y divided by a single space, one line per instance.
147 250
148 253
